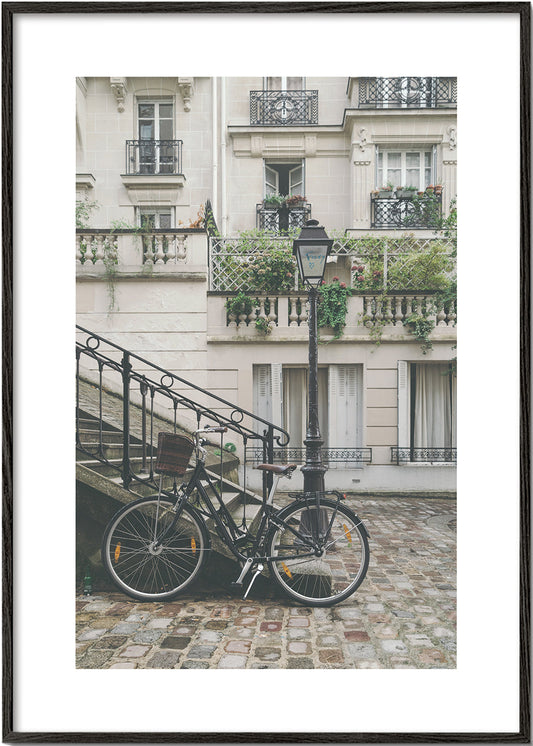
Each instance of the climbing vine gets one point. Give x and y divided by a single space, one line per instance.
333 306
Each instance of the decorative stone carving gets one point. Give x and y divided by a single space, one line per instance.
119 88
452 134
186 88
362 139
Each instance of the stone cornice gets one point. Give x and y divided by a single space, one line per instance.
280 142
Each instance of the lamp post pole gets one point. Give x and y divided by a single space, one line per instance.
311 249
314 469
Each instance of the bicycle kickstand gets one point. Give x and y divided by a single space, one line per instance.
245 570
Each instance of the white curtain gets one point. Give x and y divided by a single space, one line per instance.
434 411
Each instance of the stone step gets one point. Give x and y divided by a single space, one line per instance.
107 436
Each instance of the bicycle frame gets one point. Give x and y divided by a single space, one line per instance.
229 532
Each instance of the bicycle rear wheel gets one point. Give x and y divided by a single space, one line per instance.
318 557
137 565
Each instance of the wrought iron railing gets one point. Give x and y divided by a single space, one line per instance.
282 219
283 108
153 396
153 157
344 457
423 455
410 93
405 213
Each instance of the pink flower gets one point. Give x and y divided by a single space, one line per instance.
360 278
335 279
343 285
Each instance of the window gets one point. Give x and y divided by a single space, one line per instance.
284 178
281 397
154 218
284 84
156 133
405 168
427 421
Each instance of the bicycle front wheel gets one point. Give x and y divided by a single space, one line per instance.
318 556
142 567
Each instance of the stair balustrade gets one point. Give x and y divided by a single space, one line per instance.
142 398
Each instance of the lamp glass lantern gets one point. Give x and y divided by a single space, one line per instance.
311 249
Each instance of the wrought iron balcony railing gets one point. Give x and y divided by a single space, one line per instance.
283 108
153 156
408 213
423 455
407 93
343 457
282 219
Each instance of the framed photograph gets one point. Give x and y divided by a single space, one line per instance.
273 277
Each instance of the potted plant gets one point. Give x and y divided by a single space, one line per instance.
438 189
273 201
295 200
405 192
385 192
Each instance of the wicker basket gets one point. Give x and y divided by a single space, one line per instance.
173 453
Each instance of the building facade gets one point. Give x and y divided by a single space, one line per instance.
189 194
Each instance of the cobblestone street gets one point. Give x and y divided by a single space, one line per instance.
402 616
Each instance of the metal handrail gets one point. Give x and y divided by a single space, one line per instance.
155 379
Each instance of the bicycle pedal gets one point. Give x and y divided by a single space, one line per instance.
236 586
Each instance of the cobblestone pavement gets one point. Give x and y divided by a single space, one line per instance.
402 616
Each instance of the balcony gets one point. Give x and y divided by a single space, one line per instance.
283 218
153 171
388 211
283 108
407 93
153 157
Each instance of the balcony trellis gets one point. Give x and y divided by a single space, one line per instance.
283 108
407 93
395 264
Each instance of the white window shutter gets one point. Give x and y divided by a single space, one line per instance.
403 404
345 405
277 394
263 392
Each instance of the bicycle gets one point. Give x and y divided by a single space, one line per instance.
154 548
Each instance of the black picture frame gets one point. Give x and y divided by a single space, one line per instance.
12 9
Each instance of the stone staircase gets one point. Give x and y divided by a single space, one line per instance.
100 491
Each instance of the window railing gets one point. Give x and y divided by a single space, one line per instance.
283 108
423 455
339 457
405 213
282 219
407 93
153 157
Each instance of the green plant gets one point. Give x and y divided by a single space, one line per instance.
239 304
84 210
333 306
263 325
272 271
421 327
274 200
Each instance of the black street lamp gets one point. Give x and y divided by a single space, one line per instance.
311 249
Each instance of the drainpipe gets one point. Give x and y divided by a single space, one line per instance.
214 191
224 195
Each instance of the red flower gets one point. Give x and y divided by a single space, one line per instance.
343 285
335 279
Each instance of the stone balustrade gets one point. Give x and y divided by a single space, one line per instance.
127 249
278 317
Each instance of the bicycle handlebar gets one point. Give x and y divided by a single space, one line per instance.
208 429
